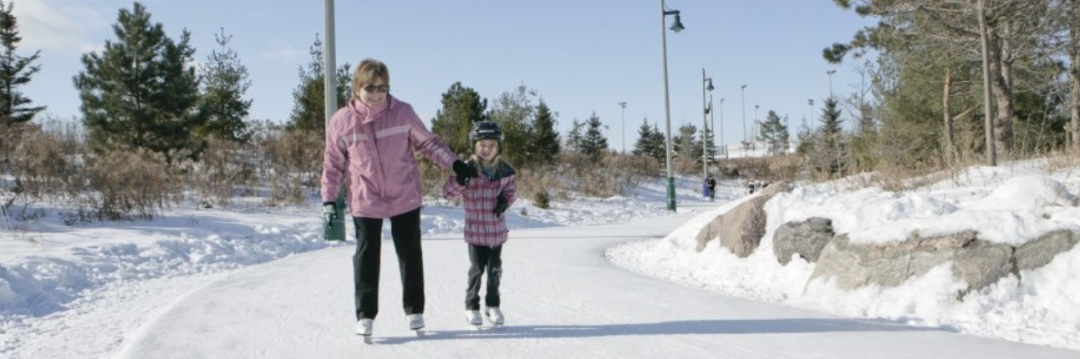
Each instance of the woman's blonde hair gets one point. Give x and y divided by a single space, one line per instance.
367 72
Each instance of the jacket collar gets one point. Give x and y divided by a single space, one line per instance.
367 114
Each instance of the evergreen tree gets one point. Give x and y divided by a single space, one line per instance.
643 145
593 144
15 71
574 138
309 103
225 80
830 147
659 144
461 107
685 146
774 134
141 91
545 145
514 112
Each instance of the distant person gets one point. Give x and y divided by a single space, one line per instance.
486 198
371 142
711 184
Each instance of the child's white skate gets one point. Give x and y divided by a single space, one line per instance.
495 316
473 317
363 328
416 324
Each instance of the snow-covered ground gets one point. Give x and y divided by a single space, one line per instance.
1009 204
251 282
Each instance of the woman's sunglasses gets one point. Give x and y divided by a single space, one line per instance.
380 88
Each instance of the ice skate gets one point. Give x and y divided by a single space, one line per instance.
363 328
416 324
474 319
495 316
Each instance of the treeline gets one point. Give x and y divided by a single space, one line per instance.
957 82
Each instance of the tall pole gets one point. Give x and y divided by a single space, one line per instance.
623 105
712 122
667 111
330 85
704 130
811 101
744 116
754 128
723 144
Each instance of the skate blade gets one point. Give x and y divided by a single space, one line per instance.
368 340
419 333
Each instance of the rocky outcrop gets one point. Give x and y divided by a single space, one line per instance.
740 229
1041 251
977 262
806 238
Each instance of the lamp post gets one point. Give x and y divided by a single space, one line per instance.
754 129
623 105
744 117
335 230
811 101
705 126
676 26
723 145
830 73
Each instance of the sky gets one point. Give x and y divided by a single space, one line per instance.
580 56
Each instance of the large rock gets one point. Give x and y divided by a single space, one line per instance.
806 238
977 262
1041 251
740 229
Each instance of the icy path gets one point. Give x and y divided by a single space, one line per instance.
562 300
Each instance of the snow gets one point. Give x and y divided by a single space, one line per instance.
247 281
1013 205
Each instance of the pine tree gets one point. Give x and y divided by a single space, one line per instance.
309 104
574 138
593 144
544 141
15 71
461 107
225 80
514 112
642 147
141 91
659 144
774 134
830 147
686 147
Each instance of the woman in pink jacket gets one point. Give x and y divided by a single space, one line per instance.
369 146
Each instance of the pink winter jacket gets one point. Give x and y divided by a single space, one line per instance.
482 226
374 151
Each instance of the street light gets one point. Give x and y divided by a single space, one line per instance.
754 128
830 73
677 26
623 105
811 115
705 127
723 145
744 144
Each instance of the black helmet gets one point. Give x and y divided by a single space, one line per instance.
486 130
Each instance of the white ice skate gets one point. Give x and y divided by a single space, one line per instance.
495 316
474 319
416 324
363 328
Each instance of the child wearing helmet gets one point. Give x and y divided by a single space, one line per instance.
487 191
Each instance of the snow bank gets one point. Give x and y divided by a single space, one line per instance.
1007 205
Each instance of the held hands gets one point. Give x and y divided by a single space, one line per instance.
463 172
500 205
329 214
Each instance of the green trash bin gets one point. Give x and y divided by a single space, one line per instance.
335 231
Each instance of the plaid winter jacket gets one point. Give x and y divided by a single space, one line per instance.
482 226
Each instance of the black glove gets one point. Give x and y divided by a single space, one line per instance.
463 172
329 213
500 205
